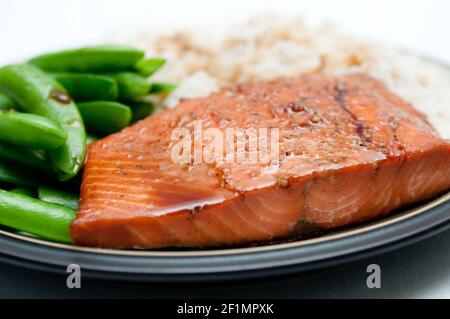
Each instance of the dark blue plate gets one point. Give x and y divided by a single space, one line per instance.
327 250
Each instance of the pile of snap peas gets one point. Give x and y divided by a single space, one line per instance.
50 108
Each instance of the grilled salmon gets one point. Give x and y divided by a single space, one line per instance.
348 150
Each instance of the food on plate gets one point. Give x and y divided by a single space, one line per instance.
20 155
349 150
6 103
352 145
148 67
24 191
38 93
162 88
91 59
105 117
56 196
142 109
203 59
131 85
88 87
47 220
46 106
20 175
31 130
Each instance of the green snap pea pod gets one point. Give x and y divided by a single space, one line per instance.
141 110
26 234
147 67
24 156
162 88
27 214
6 103
21 176
91 138
88 87
131 85
59 197
104 117
90 59
38 93
23 191
31 131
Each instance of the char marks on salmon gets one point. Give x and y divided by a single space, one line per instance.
349 151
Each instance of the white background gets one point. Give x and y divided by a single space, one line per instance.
30 27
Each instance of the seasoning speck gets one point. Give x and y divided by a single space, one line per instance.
60 96
316 118
283 182
296 107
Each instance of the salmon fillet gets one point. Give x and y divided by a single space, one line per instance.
349 151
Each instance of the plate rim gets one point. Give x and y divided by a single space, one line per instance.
425 219
347 231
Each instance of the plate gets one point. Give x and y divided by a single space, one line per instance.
230 264
183 266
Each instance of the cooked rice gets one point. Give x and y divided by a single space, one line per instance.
201 60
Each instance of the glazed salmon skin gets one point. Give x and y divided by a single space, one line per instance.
349 151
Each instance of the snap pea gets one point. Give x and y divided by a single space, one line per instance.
31 158
26 234
27 214
19 175
88 87
31 131
23 191
162 88
38 93
90 59
104 117
147 67
6 103
141 109
59 197
131 85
